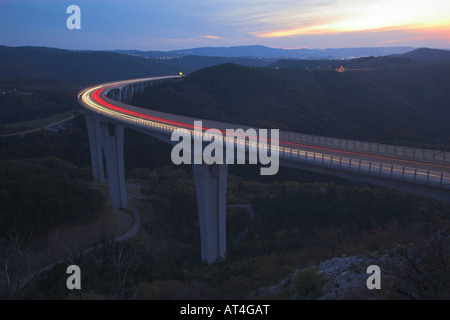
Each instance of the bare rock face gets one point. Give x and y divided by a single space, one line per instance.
343 277
346 277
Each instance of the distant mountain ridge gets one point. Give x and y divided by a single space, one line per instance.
415 59
101 66
98 66
428 55
258 51
75 66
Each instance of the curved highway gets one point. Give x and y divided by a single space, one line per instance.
428 171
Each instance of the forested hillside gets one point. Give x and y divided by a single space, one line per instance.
41 195
402 104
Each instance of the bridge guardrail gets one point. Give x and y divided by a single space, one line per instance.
371 168
370 147
349 164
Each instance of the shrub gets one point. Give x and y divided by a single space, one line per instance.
308 283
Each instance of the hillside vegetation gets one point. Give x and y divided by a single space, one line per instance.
25 100
401 104
41 195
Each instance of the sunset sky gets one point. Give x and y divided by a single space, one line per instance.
177 24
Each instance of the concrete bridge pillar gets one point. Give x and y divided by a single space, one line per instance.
95 144
211 188
112 139
119 95
124 93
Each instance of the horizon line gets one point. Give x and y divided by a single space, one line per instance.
226 47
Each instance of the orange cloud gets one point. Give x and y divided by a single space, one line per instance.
316 30
292 32
211 37
441 33
384 15
409 32
423 33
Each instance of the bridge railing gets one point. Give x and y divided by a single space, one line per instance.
350 164
369 147
372 168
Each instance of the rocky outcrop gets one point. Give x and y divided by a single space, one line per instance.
419 270
344 277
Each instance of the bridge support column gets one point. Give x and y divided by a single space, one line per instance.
211 188
112 138
95 144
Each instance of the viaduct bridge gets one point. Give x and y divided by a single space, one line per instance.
418 171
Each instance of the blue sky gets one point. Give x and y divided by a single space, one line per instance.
177 24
